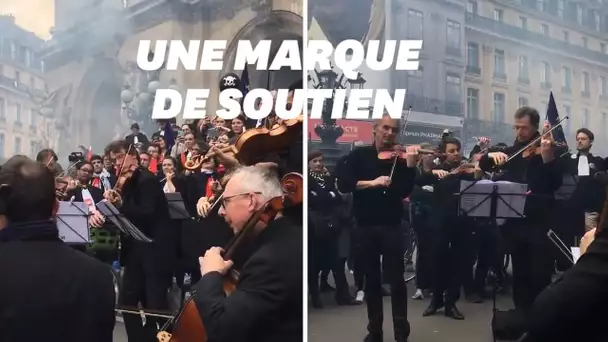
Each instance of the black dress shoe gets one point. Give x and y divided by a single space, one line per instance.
452 311
401 339
373 338
316 302
432 309
345 301
474 298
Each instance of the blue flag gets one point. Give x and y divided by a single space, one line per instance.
169 135
245 81
553 118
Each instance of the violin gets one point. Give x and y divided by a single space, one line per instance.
123 174
188 324
397 151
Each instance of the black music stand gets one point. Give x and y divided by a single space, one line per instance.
121 222
569 183
177 207
73 222
492 205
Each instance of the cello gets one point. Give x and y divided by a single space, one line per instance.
187 324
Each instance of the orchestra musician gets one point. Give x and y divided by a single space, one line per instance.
378 206
267 302
573 308
48 292
148 267
453 233
531 251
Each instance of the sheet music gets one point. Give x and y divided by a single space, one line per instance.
475 200
109 211
73 222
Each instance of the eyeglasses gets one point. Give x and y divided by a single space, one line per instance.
226 199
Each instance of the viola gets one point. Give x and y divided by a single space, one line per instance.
397 151
187 324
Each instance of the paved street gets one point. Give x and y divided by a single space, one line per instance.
349 324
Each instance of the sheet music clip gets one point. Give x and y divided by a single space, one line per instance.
177 207
119 220
73 222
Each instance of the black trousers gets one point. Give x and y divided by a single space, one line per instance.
451 241
424 252
490 254
532 258
138 286
385 241
323 252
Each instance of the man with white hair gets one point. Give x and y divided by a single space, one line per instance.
267 302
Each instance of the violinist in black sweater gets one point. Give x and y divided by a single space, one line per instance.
452 237
531 250
378 207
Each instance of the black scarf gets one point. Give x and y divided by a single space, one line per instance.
35 230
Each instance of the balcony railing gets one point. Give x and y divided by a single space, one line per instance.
477 21
435 106
13 84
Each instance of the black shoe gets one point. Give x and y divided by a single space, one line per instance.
474 298
373 338
345 301
432 309
401 339
316 301
452 311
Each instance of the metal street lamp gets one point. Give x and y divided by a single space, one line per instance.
357 83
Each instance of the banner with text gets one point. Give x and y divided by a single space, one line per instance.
417 133
354 130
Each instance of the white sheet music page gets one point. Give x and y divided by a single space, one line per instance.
583 166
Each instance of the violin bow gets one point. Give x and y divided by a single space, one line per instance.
401 132
521 150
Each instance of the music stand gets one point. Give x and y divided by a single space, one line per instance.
493 200
177 207
73 222
121 222
569 183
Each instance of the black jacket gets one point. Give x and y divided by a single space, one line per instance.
145 205
543 179
589 192
574 308
267 303
51 292
375 206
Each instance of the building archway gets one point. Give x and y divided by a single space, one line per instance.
276 26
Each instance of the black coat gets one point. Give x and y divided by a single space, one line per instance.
589 192
267 303
51 292
574 308
145 205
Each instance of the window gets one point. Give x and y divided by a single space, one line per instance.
585 122
579 14
498 14
33 148
585 82
33 118
567 78
2 108
523 23
603 48
499 64
545 73
560 8
585 42
17 113
415 26
415 84
453 91
544 29
17 145
13 50
523 68
566 36
603 86
18 76
472 103
540 5
472 7
453 37
567 111
596 21
522 102
473 55
27 57
499 107
2 144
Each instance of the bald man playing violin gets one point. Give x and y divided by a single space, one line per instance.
378 207
531 250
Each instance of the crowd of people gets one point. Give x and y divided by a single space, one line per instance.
224 193
371 213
